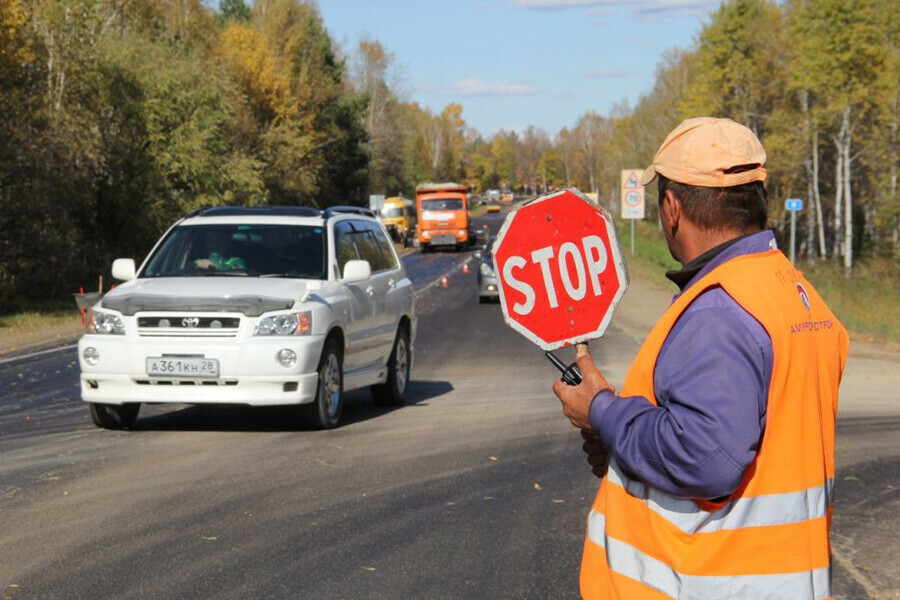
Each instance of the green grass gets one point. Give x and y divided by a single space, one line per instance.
651 255
31 321
867 302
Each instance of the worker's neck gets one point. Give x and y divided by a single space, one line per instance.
705 240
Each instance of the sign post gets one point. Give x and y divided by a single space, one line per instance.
632 199
793 205
560 269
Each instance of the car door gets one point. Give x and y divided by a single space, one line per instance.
380 334
360 308
399 295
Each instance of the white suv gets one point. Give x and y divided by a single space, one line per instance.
259 306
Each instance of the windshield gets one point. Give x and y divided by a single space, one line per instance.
442 204
391 212
296 251
487 254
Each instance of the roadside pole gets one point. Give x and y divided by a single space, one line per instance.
632 199
793 205
632 236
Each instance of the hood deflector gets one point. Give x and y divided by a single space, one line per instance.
251 306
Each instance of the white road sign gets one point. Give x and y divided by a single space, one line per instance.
632 194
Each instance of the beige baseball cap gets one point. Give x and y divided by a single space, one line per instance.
705 151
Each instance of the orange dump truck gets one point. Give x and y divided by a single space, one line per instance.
443 216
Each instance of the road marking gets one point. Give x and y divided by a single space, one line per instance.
33 354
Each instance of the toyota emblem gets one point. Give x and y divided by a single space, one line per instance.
190 322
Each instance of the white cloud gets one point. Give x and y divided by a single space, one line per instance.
635 6
477 87
607 73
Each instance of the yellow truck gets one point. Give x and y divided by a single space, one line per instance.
399 217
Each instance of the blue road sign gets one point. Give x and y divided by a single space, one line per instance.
793 204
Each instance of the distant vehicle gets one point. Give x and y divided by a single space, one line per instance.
399 218
487 280
443 216
492 196
260 306
493 208
506 197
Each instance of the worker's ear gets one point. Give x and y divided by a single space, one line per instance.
671 209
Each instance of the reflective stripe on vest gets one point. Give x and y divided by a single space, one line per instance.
631 562
769 509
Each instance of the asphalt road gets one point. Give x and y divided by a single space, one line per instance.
475 489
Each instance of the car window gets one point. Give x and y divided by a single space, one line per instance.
249 250
344 247
368 249
442 204
382 244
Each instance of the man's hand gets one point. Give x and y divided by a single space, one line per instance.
576 399
597 455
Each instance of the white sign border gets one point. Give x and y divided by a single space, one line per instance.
618 260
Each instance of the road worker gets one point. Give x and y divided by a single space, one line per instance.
717 456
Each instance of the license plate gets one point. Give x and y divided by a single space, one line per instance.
183 367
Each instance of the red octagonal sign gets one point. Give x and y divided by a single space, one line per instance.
560 268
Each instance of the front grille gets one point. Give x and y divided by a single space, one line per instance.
185 382
188 326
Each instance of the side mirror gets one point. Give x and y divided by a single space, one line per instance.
123 269
357 270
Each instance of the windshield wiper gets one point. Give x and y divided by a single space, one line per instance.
287 275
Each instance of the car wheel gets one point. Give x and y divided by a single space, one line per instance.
393 391
114 416
325 411
424 248
482 299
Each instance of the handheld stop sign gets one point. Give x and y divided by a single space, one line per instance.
561 272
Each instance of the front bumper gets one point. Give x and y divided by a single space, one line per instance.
449 237
249 372
487 287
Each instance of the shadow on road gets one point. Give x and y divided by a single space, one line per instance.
358 407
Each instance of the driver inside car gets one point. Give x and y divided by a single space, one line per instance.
217 243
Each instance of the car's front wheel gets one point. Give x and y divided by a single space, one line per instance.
325 411
393 391
114 416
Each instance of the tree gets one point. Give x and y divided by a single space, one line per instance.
841 53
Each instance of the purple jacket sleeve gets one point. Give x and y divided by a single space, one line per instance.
711 383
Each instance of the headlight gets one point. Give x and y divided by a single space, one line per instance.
101 322
462 232
487 270
289 324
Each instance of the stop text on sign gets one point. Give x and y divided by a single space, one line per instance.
578 267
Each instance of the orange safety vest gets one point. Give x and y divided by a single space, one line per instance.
769 539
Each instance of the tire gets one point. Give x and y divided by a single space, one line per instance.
424 248
114 416
482 299
325 411
393 391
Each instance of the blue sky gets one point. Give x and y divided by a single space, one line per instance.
513 63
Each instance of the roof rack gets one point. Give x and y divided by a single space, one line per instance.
332 211
241 211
